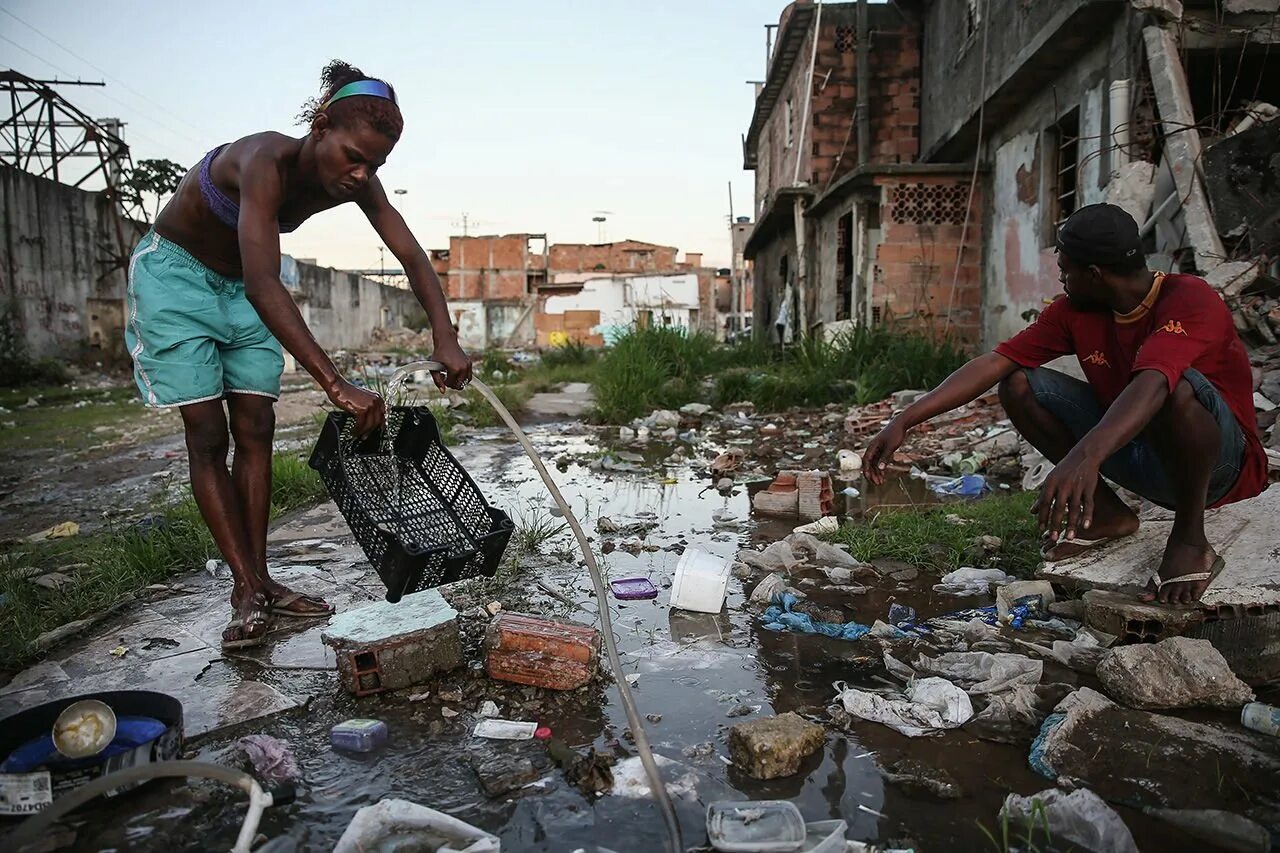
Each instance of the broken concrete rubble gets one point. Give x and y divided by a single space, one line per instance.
773 747
387 646
1141 759
1175 673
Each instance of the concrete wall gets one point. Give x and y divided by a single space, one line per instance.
616 303
951 71
342 308
52 266
1020 266
53 269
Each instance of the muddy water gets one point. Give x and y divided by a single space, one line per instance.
692 669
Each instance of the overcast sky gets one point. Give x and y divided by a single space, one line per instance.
528 116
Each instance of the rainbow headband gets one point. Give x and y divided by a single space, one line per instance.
374 88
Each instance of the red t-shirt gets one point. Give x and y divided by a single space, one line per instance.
1181 324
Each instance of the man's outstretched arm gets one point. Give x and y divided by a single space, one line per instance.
965 385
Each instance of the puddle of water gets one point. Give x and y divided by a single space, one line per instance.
692 669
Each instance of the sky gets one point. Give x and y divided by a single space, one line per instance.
528 116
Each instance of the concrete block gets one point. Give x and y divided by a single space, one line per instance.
773 747
1236 7
389 646
1165 10
1133 621
541 652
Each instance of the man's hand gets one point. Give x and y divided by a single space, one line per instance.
457 366
368 407
1067 495
881 450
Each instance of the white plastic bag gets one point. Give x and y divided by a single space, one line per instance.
390 823
1080 817
929 706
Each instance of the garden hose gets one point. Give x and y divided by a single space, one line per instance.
675 842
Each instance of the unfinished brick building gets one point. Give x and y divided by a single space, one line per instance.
850 227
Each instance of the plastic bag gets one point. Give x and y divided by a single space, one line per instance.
1080 817
391 821
929 706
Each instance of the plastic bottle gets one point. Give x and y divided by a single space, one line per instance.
359 735
1261 718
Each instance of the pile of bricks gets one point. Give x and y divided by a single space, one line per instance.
807 494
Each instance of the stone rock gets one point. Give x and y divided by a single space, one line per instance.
695 410
1149 760
53 580
773 747
920 780
906 575
1072 609
1270 386
1175 673
662 419
1220 829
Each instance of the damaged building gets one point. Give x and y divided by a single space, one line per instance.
518 290
913 160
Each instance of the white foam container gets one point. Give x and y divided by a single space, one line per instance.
700 582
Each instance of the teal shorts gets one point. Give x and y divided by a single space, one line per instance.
192 334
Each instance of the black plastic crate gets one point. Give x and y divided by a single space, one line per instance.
416 513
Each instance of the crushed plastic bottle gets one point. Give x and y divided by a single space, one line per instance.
359 735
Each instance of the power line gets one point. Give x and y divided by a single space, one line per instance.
115 79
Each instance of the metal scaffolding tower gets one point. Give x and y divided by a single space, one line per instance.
43 131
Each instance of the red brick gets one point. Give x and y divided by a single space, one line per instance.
541 652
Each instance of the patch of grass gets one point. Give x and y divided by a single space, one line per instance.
929 540
666 367
115 563
67 419
1030 842
513 397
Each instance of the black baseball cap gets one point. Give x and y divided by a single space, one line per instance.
1101 234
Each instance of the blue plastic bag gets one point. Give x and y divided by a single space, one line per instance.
780 618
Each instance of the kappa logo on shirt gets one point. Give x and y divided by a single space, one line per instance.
1097 358
1173 327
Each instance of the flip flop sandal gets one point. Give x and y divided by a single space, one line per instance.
279 607
1216 569
256 617
1081 545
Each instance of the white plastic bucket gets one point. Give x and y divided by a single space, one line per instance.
700 582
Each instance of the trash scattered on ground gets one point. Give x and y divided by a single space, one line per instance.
983 672
541 652
1015 715
1261 718
1022 593
387 646
505 729
502 773
1179 672
928 706
1079 817
633 589
272 759
764 592
755 825
359 735
829 524
918 779
774 747
630 781
64 530
781 617
389 823
700 582
968 581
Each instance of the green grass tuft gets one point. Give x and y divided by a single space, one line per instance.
928 540
115 563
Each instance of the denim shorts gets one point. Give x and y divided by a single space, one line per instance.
191 332
1137 465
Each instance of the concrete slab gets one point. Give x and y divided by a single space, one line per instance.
1244 534
213 694
572 401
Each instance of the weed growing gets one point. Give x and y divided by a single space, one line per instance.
942 539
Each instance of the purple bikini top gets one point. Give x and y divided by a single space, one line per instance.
227 211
